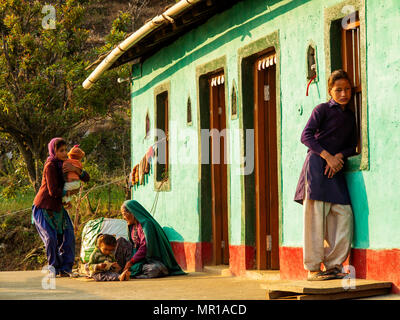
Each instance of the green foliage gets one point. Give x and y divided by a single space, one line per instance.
108 149
41 96
17 181
11 191
119 29
96 176
22 199
41 75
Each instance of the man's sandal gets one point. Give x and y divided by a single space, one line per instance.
320 276
336 272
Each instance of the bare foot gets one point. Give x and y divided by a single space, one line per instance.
124 276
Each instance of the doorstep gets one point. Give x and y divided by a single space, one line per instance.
222 270
265 275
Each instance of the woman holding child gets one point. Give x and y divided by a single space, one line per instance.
48 213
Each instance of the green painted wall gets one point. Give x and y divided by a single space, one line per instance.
297 23
382 180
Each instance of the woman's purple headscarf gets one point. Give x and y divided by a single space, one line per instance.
52 151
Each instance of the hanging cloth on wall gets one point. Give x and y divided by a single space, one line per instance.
142 168
135 175
149 157
138 175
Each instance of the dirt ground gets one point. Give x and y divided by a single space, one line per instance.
193 286
32 285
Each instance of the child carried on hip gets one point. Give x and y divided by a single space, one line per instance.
72 180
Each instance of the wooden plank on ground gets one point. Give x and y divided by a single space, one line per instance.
337 296
327 286
334 296
346 295
272 295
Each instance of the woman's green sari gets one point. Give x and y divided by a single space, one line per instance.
157 243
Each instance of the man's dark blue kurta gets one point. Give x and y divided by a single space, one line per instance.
334 130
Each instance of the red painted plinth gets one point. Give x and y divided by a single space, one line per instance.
291 263
192 256
368 264
378 265
241 258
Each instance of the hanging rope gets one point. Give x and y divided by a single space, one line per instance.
7 214
101 186
154 206
90 190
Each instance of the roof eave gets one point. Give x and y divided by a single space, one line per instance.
156 22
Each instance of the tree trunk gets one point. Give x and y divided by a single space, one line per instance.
32 164
38 174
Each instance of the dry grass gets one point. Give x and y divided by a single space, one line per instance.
20 245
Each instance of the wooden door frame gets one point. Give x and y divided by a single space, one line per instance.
204 172
266 181
332 19
219 222
350 67
160 89
246 58
260 176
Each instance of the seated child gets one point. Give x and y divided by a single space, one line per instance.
72 181
102 264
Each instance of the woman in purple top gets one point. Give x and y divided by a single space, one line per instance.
330 135
132 252
137 236
148 253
